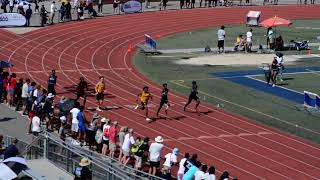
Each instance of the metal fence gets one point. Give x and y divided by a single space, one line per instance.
67 156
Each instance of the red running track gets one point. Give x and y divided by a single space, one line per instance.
99 47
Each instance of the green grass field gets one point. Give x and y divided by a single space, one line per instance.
259 106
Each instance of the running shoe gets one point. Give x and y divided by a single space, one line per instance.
135 108
148 119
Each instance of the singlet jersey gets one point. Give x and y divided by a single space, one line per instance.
164 94
145 96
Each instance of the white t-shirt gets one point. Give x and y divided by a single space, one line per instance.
270 34
106 127
155 151
208 176
53 8
127 142
11 3
74 112
249 36
35 93
36 124
198 175
221 34
181 167
280 60
170 159
25 88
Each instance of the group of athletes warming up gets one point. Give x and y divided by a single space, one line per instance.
145 96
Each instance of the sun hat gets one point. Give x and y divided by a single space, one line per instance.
50 95
175 151
115 123
105 120
130 130
63 119
84 162
159 139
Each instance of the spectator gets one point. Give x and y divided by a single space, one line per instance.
240 42
270 35
25 95
82 127
11 88
68 11
82 172
210 175
181 4
115 6
126 146
190 162
221 36
12 150
18 94
181 167
98 137
62 12
142 151
91 130
82 89
11 5
80 11
224 176
62 131
48 111
74 122
75 5
31 114
105 137
189 175
52 81
113 132
200 173
122 133
1 84
28 15
249 40
5 81
36 6
43 14
36 125
53 10
171 160
100 5
154 155
2 148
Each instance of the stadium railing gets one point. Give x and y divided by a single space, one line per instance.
67 157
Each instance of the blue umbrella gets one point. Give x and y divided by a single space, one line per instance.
5 64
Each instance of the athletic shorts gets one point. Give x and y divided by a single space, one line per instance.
220 43
106 142
112 146
24 101
82 128
163 102
193 97
138 162
75 127
125 153
155 164
100 96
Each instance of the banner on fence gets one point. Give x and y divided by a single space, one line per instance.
131 7
151 43
12 19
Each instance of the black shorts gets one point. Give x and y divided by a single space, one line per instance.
193 97
81 94
144 105
106 142
163 101
155 164
220 43
100 96
24 101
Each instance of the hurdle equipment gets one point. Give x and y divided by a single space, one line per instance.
311 103
149 46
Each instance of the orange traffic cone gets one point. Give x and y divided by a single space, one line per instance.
130 48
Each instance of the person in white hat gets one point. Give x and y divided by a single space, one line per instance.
105 137
82 171
154 154
171 159
126 146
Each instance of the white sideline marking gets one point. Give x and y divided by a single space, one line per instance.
222 136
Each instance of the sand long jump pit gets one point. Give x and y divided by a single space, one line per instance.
236 59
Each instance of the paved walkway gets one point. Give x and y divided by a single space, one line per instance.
108 10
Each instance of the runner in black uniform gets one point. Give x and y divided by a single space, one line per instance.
164 99
82 87
193 96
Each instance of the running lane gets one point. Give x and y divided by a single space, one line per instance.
99 47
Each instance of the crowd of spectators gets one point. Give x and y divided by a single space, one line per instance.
95 132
